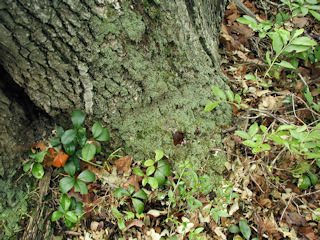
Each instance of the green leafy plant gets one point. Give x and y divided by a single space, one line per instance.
224 97
157 171
243 228
304 7
78 182
35 164
262 28
70 210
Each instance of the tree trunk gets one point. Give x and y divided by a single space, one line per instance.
144 67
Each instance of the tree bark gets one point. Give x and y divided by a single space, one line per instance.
144 67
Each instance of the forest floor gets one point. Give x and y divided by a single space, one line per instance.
271 188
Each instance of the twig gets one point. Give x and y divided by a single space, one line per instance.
284 210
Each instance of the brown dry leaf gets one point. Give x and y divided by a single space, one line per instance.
271 102
269 225
300 22
133 180
308 232
293 218
39 145
123 164
134 223
248 60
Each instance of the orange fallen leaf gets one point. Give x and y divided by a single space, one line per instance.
60 160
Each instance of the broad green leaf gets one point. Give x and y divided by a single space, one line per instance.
68 223
87 176
73 203
277 43
145 181
37 171
138 205
297 48
27 166
159 155
219 93
304 41
121 224
285 64
230 95
96 129
164 168
237 98
160 177
66 184
56 215
223 214
78 209
304 182
148 163
264 129
307 94
302 167
250 143
77 118
285 127
297 33
138 172
313 155
59 131
121 192
141 194
153 182
304 10
150 170
116 213
40 156
242 134
266 147
81 187
82 136
68 136
65 202
302 128
104 136
250 76
198 230
211 105
55 141
313 177
284 34
253 129
247 20
88 152
315 14
234 229
70 168
245 229
70 148
71 216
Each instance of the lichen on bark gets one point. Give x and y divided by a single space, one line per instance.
144 67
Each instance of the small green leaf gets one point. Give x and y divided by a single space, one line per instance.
254 128
56 215
88 152
81 187
164 168
304 182
138 205
68 223
37 171
237 98
153 182
250 143
277 43
71 216
96 129
77 118
148 163
141 194
245 229
121 192
234 229
116 213
70 148
78 209
304 41
211 105
159 176
223 214
70 168
82 136
242 134
159 155
87 176
307 94
230 95
55 141
264 129
66 184
286 64
68 136
313 177
104 136
285 127
251 77
315 14
121 224
145 181
219 93
266 147
59 131
150 170
131 189
297 33
65 202
138 172
27 166
40 156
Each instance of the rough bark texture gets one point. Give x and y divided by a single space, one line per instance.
144 67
